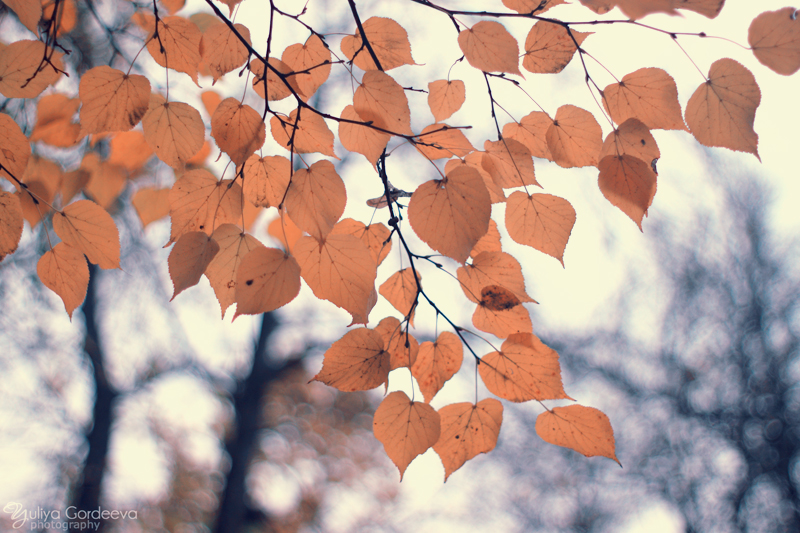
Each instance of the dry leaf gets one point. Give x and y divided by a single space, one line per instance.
375 236
501 314
649 94
445 97
151 204
467 430
312 60
389 41
63 270
28 11
774 37
19 62
11 223
632 138
316 199
237 129
574 137
361 139
509 163
707 8
381 100
15 150
402 346
198 202
583 429
54 125
492 268
267 280
475 160
266 179
401 291
436 363
355 362
549 47
536 7
629 183
222 50
440 141
87 227
177 45
129 150
174 130
489 47
221 272
189 258
489 242
532 132
311 135
541 221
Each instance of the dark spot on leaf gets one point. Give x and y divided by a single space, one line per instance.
248 282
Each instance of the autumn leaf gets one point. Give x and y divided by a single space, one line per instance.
210 99
509 163
489 242
531 131
531 6
129 150
574 137
403 348
364 140
629 183
355 362
649 94
54 125
467 430
632 138
440 141
450 215
583 429
388 40
106 181
405 428
267 279
475 160
774 37
445 97
311 134
489 47
722 111
549 47
64 271
234 245
436 363
15 150
176 45
86 226
341 270
500 313
285 231
316 199
401 291
222 50
237 129
312 61
20 76
492 268
28 11
198 202
541 221
11 223
381 100
189 258
524 369
151 204
375 236
266 179
174 130
707 8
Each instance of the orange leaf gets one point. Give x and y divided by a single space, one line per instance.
179 38
267 279
525 369
531 6
129 150
774 37
222 50
489 242
440 141
405 428
231 5
389 41
234 245
375 236
721 112
174 130
708 8
492 268
276 88
106 181
509 163
312 59
54 124
632 138
211 99
340 270
475 160
266 179
629 183
436 363
151 204
541 221
63 270
15 150
467 430
401 291
238 130
11 223
574 137
28 11
89 228
381 100
649 94
489 47
43 178
402 355
72 183
311 135
500 313
355 362
364 140
445 97
450 215
285 231
19 74
189 258
198 202
583 429
316 199
634 9
549 47
532 132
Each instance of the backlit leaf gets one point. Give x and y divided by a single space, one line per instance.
475 160
189 258
355 362
583 429
489 47
210 99
151 204
312 59
54 124
174 130
316 199
774 37
532 132
541 221
129 150
489 242
237 129
11 223
180 39
649 94
574 137
15 150
28 11
389 41
267 279
721 112
266 179
524 369
707 8
501 313
405 428
285 231
394 339
381 100
437 362
450 215
492 268
549 47
401 291
443 143
509 163
629 183
198 202
364 140
19 74
311 135
64 271
222 50
276 88
340 270
445 97
234 245
632 138
531 6
375 236
86 226
467 430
